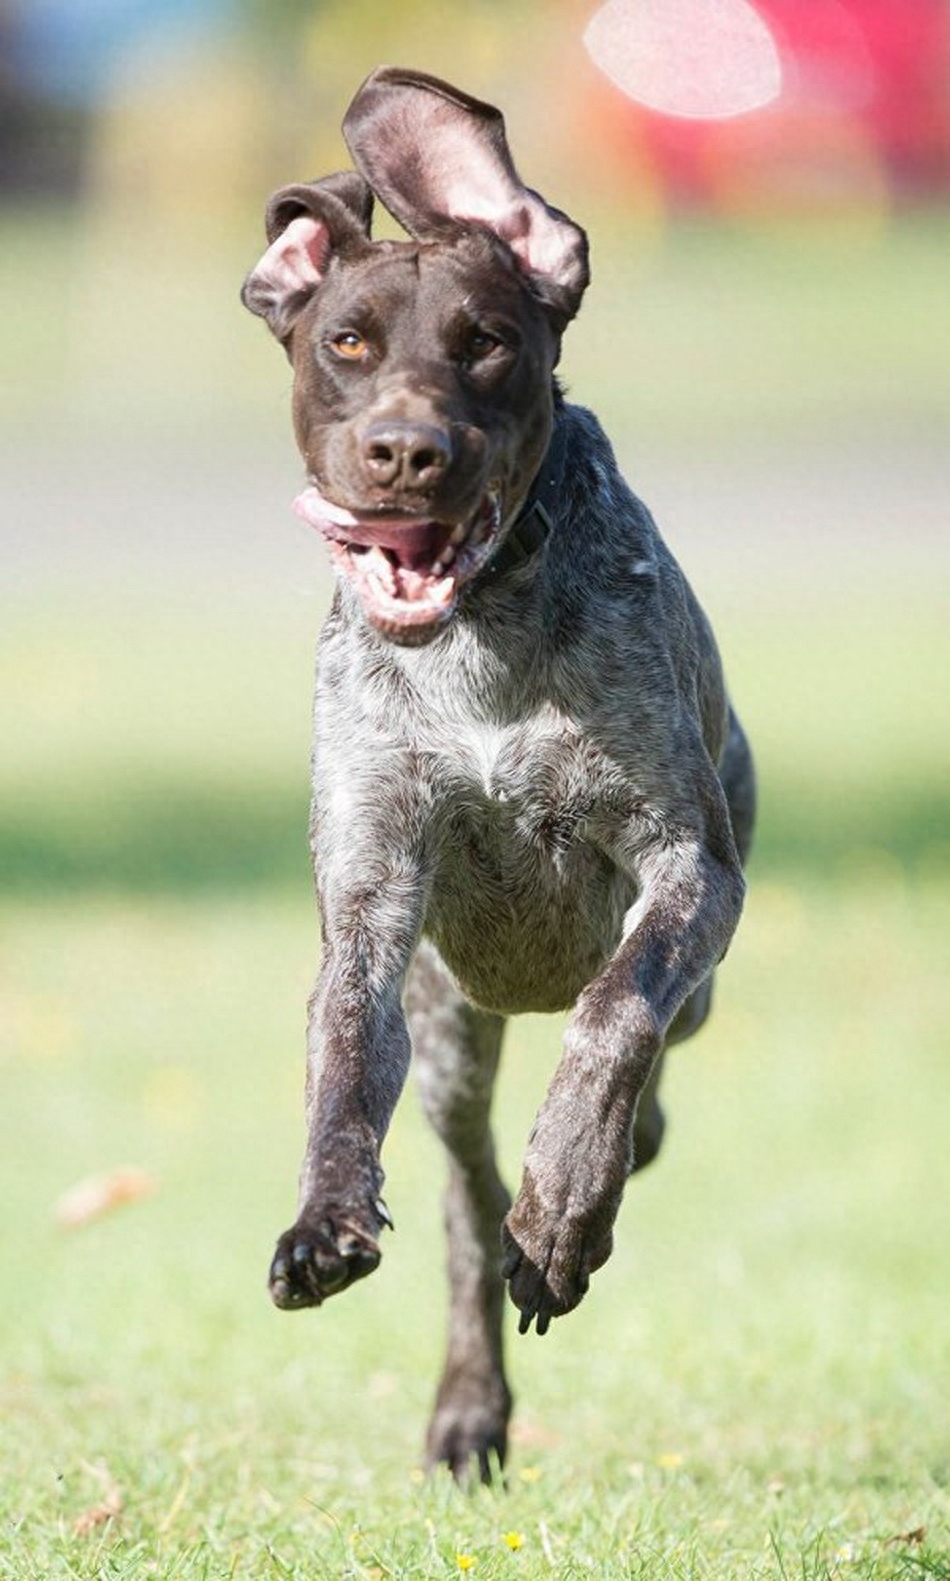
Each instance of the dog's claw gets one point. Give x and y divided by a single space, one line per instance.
537 1312
529 1310
547 1263
384 1213
470 1440
285 1288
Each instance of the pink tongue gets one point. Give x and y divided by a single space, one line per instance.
318 512
407 536
414 587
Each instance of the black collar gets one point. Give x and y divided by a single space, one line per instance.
530 528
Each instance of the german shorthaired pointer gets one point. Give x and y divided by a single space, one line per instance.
530 790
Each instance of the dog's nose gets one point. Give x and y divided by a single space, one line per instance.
412 455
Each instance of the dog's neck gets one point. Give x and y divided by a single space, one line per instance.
529 531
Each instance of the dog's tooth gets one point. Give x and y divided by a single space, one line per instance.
459 534
441 565
380 566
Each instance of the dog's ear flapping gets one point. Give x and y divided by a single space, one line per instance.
307 224
439 159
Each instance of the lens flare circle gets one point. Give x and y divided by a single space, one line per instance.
698 59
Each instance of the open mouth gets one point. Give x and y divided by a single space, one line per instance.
407 570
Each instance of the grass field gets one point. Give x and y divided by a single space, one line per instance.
759 1383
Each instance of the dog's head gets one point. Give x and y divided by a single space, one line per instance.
423 389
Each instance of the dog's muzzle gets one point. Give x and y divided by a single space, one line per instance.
407 570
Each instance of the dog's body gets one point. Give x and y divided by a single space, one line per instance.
530 791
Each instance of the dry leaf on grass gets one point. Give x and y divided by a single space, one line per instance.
918 1535
97 1515
108 1508
89 1199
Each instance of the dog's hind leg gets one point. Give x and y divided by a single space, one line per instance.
456 1048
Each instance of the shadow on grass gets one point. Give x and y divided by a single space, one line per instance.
179 838
170 839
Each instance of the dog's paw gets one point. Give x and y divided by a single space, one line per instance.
470 1437
323 1254
549 1255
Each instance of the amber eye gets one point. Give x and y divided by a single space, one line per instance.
349 344
480 343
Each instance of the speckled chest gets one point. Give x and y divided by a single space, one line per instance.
525 905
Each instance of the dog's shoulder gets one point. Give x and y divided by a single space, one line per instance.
607 551
622 602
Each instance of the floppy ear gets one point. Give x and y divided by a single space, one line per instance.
306 226
439 159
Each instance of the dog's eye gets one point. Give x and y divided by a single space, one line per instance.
480 343
350 344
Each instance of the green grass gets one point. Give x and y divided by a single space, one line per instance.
775 334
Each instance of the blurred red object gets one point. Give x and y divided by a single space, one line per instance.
864 109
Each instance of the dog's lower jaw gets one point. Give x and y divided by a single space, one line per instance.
413 622
406 623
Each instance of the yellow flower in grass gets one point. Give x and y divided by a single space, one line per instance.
669 1462
513 1540
530 1473
465 1561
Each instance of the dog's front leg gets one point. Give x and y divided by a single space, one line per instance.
560 1228
358 1056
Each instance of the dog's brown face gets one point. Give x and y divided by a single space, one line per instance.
422 408
423 389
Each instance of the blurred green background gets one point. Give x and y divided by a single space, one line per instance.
770 353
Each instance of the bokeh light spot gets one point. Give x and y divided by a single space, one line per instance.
702 59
